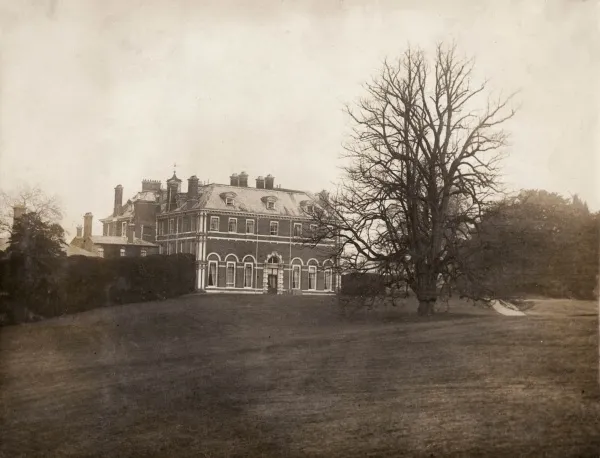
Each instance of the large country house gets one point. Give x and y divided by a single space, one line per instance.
246 239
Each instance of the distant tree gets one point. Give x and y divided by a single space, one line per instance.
536 242
422 167
34 247
33 199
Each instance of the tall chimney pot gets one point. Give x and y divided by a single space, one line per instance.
269 181
87 225
18 211
79 231
193 187
234 180
118 200
243 182
260 183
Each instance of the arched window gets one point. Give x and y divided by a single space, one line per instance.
248 274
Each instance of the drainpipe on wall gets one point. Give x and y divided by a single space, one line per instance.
256 254
290 261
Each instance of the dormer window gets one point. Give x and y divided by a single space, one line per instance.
307 206
269 202
229 198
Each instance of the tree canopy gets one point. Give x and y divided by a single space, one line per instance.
422 168
536 242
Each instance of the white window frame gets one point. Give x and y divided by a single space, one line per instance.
312 269
270 205
216 279
171 226
218 220
327 271
100 252
251 265
124 229
310 208
227 284
229 201
143 253
121 252
276 223
229 225
300 231
179 224
297 267
253 226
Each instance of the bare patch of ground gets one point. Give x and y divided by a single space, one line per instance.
208 376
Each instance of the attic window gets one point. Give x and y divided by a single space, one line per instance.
229 198
310 208
269 202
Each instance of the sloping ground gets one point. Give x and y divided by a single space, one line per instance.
291 376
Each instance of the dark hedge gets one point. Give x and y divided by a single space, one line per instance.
78 283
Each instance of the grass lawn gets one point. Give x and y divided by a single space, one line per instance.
217 376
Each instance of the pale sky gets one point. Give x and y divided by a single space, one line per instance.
99 93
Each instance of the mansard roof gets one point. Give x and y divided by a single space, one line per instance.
249 200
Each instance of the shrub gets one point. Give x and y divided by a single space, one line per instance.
80 283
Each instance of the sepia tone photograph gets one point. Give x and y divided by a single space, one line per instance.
310 228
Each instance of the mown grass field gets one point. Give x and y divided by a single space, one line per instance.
219 376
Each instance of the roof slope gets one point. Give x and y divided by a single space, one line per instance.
251 200
116 240
72 250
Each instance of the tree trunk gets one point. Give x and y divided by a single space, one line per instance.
426 307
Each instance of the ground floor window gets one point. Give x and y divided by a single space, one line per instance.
212 273
143 253
248 275
295 277
122 251
230 275
312 277
328 285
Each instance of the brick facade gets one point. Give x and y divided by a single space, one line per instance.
230 259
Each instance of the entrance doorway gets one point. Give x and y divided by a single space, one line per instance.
272 274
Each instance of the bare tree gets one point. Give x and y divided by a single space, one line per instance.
422 166
31 199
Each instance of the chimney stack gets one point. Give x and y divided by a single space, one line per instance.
269 181
260 183
234 180
130 232
244 179
193 187
87 225
150 185
18 211
118 200
79 231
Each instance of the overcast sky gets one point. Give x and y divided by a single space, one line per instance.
97 93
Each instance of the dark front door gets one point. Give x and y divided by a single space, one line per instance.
272 281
